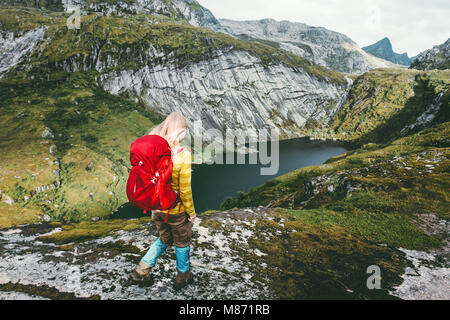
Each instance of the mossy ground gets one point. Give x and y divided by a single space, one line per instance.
308 260
87 230
42 291
299 256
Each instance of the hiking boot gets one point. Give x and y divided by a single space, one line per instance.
183 279
142 274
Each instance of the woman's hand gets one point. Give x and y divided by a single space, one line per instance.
192 219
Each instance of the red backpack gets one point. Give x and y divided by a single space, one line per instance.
149 184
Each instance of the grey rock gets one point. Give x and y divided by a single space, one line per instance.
53 149
7 200
48 134
89 166
186 10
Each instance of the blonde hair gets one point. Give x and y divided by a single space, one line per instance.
172 128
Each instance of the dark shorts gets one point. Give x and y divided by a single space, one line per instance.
176 231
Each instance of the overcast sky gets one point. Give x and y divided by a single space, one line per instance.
412 25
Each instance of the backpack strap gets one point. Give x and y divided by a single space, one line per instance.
177 200
167 216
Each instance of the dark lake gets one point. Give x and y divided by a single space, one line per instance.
211 184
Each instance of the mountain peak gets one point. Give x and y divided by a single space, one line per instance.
384 45
383 49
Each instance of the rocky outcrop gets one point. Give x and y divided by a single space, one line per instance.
324 47
13 48
383 49
427 116
436 58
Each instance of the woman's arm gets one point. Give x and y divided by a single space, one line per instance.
185 183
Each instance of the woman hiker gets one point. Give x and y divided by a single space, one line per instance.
177 230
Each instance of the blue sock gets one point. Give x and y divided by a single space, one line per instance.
182 255
153 253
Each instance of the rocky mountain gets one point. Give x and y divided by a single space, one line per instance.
436 58
226 82
383 49
317 44
181 10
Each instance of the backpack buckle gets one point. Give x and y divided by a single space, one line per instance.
155 178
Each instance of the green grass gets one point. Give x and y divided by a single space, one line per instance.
374 218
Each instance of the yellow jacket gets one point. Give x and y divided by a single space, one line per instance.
181 182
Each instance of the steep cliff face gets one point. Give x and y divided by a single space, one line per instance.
324 47
436 58
383 49
232 91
